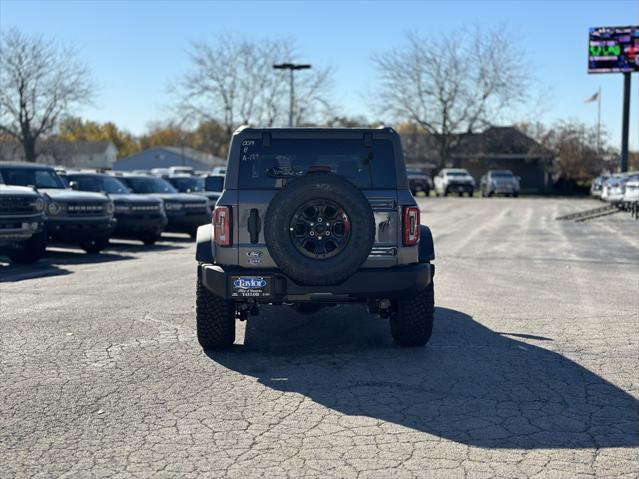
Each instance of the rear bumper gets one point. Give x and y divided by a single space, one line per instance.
396 282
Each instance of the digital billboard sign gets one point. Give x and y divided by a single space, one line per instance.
613 50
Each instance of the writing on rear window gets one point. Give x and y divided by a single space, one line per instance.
268 167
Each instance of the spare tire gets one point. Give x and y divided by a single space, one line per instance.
319 229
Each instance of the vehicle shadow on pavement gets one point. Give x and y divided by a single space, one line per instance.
137 247
470 384
50 264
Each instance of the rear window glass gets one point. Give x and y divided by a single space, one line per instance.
271 166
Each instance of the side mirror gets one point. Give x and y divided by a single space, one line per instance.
74 185
518 178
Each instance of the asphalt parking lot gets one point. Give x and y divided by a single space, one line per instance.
533 368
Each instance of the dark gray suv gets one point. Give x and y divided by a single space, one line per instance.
310 218
23 237
75 217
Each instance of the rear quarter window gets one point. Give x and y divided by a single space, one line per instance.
269 167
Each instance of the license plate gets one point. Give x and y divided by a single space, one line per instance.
250 286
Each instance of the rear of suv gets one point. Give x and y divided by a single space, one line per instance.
310 218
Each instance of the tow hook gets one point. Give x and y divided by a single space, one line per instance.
384 308
244 309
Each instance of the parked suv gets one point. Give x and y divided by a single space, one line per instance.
315 217
496 182
22 235
418 181
185 212
194 185
75 217
138 216
454 180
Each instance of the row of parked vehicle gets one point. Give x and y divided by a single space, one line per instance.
41 205
620 189
459 181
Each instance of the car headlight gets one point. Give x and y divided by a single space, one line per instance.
173 206
122 208
39 205
54 208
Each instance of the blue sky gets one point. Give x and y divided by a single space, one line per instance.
136 48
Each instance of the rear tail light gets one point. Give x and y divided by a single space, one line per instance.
222 225
411 225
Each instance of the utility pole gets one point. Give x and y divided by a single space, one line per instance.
291 67
625 127
599 120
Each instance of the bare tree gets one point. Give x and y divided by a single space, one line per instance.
453 83
39 82
233 81
578 157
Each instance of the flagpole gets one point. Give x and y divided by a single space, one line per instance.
599 119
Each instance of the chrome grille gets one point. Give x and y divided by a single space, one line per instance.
16 206
146 208
85 209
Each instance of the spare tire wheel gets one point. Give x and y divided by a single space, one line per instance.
319 229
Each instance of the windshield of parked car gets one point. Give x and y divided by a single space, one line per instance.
99 184
456 173
40 178
150 185
501 174
369 167
188 184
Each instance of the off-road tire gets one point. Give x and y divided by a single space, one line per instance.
150 239
325 271
30 250
215 319
94 246
412 321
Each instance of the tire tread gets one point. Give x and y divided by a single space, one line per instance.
215 318
412 323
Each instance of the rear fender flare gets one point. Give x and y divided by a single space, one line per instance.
426 245
205 248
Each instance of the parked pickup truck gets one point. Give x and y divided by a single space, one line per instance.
311 218
74 217
22 234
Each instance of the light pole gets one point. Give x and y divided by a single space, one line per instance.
291 67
